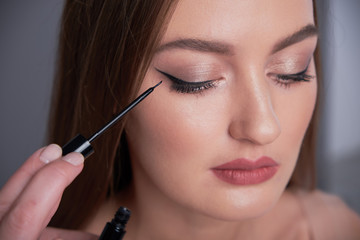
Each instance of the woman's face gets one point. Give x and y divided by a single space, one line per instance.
221 135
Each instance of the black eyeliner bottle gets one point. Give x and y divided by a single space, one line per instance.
115 230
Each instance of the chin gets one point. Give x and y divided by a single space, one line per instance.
240 205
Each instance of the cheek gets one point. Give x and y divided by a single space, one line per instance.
170 133
294 112
172 140
169 127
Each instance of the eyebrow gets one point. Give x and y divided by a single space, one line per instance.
198 45
305 32
227 49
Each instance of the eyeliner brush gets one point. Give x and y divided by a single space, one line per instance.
82 145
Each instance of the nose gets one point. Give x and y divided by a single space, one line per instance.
253 119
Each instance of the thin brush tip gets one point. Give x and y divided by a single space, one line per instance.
157 84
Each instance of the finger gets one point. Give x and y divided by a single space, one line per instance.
21 177
54 233
38 202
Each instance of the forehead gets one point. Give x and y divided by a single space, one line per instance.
237 20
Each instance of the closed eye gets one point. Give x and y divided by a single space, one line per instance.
182 86
285 80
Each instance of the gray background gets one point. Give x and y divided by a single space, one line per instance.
28 41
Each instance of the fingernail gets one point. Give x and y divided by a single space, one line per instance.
74 158
50 153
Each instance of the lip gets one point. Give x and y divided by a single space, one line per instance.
245 172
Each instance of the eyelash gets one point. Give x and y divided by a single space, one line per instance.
182 86
284 80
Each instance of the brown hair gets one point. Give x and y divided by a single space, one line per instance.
104 51
304 175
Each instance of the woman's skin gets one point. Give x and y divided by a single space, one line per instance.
179 134
253 108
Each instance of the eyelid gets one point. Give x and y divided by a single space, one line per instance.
286 80
292 74
182 86
179 81
303 72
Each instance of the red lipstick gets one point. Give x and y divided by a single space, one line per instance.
245 172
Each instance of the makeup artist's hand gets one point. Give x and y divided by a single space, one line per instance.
31 196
